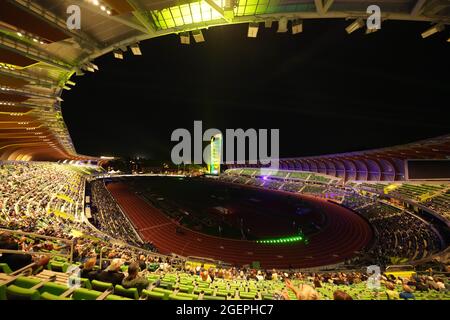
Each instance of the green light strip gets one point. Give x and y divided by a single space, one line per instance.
282 240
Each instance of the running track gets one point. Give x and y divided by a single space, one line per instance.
345 233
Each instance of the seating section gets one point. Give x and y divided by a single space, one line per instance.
40 188
188 286
47 199
400 235
108 217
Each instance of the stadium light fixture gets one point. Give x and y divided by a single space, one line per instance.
282 25
253 29
136 49
198 36
297 26
268 24
369 31
118 54
355 25
185 38
434 29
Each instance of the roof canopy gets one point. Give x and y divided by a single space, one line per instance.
39 54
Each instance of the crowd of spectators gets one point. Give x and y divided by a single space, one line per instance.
108 217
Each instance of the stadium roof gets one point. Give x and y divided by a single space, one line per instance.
385 164
39 55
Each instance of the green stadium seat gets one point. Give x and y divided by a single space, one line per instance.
26 282
178 297
208 297
49 296
247 295
58 266
151 295
206 291
2 292
222 293
101 286
85 283
53 288
186 289
187 295
14 292
85 294
131 293
166 292
5 268
116 297
166 284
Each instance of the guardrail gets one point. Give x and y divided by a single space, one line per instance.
69 244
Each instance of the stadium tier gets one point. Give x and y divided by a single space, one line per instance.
311 230
70 256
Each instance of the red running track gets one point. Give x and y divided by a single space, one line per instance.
344 234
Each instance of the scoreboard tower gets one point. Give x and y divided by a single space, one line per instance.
216 154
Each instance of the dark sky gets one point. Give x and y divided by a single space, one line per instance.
325 90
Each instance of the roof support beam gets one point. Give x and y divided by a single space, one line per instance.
47 83
141 14
217 8
322 6
32 52
418 7
83 39
118 19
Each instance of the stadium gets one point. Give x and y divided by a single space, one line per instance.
353 225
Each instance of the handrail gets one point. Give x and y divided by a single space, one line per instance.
148 253
68 243
34 235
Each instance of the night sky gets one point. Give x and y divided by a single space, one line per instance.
326 91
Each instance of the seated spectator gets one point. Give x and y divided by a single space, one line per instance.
259 276
133 280
112 273
391 293
15 261
87 271
317 283
304 292
440 284
407 293
341 295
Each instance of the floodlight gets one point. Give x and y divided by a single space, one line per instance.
198 36
136 49
297 26
253 29
355 25
118 54
434 29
